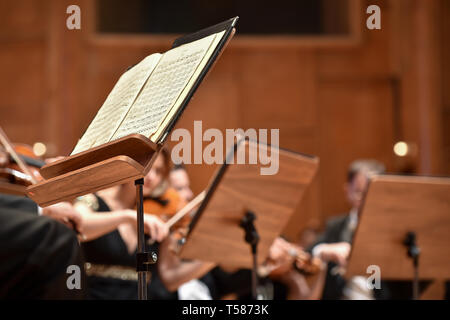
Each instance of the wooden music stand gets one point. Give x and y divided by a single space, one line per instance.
123 160
117 162
393 207
120 161
10 188
237 194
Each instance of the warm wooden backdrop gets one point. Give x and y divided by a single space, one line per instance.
339 100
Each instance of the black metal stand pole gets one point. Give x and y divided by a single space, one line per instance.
413 252
252 238
143 258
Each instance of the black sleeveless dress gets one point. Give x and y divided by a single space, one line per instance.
110 249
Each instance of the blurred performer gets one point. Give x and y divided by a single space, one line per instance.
334 245
38 246
179 180
195 289
161 198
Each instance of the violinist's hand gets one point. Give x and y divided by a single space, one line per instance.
155 228
334 252
279 249
65 213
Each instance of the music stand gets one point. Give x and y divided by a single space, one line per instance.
241 203
123 160
404 220
10 188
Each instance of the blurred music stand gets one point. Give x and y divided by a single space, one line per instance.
10 188
241 203
404 220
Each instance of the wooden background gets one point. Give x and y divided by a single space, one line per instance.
339 99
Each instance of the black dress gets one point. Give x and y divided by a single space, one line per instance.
110 249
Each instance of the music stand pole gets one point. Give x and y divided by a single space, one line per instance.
413 253
252 238
143 258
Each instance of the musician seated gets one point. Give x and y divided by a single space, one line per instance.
294 273
179 180
38 246
110 241
162 199
334 245
205 287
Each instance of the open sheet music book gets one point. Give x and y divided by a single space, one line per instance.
148 96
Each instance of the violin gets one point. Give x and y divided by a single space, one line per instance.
183 217
14 177
166 206
286 256
24 164
19 166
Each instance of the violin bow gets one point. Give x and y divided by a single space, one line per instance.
187 208
9 148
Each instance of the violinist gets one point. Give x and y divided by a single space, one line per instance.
160 197
35 260
19 168
334 245
110 239
204 288
288 266
179 180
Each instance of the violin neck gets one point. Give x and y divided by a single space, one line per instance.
186 209
9 148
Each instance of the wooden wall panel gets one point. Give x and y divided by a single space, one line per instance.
372 58
338 100
23 19
421 83
277 92
23 66
355 122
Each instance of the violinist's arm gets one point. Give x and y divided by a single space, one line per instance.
65 213
95 225
174 272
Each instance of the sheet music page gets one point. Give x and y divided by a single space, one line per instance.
117 104
164 86
172 111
